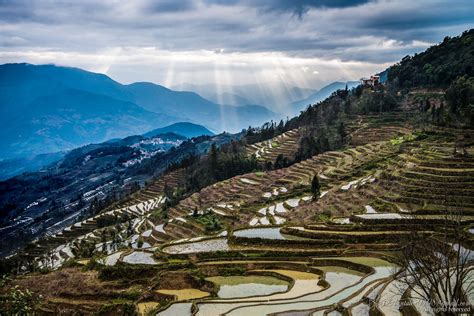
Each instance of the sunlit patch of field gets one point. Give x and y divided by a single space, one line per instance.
185 294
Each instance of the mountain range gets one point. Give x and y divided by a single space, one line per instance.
47 109
289 100
277 94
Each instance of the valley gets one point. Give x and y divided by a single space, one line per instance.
86 180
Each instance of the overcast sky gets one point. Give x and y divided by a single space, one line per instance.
302 42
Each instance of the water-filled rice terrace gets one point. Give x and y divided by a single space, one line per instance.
259 243
285 144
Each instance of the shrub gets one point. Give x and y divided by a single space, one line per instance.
17 301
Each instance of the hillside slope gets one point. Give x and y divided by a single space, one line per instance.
86 179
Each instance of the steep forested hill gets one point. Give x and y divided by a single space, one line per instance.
438 66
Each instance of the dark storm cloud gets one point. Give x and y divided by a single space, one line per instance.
13 11
401 19
298 7
170 6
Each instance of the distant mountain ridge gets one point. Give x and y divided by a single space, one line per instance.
185 129
48 108
178 131
320 95
275 94
291 100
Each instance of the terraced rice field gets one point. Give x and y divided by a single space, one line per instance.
139 257
209 245
147 307
335 250
185 294
342 283
336 170
285 144
242 286
137 209
372 128
265 233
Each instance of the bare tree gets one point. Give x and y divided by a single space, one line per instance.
437 271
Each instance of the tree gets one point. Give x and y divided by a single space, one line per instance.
348 106
168 191
460 97
281 126
324 143
129 228
341 130
315 188
16 301
281 162
436 269
213 160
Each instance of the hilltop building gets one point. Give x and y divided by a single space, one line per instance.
372 81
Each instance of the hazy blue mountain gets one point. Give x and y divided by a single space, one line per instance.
12 167
234 118
271 95
298 93
20 84
228 98
185 129
184 104
48 108
71 118
320 95
190 106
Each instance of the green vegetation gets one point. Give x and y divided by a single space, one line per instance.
460 98
379 99
438 66
219 164
83 249
322 217
402 139
209 220
232 270
450 66
16 301
109 220
126 272
315 187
